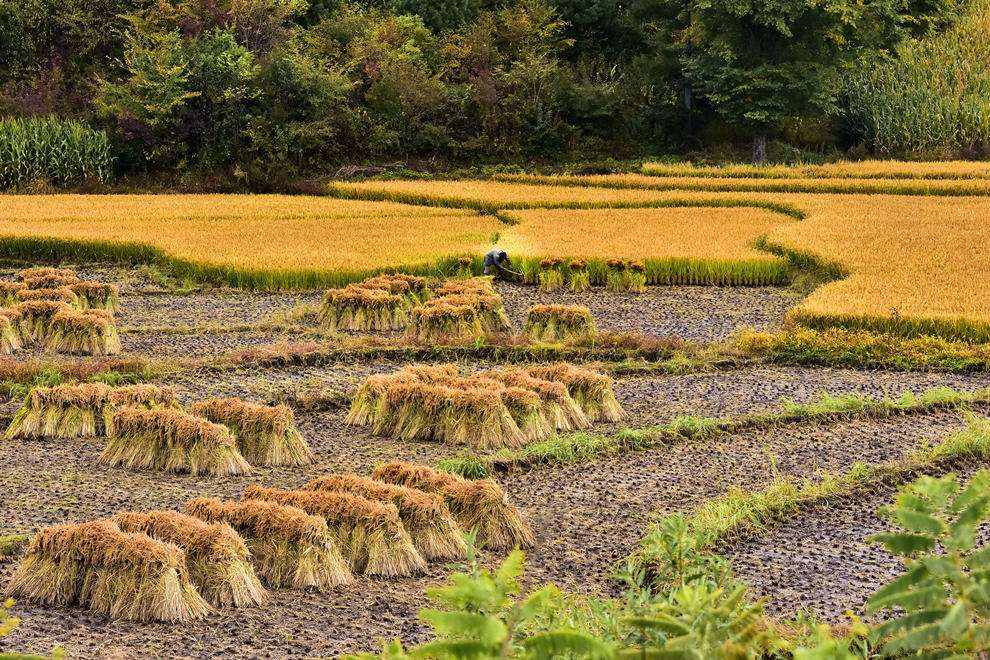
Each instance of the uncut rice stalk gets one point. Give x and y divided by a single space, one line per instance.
370 534
217 557
591 390
432 529
480 505
265 435
87 332
97 566
289 547
560 409
169 440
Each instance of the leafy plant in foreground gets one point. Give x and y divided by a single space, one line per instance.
945 592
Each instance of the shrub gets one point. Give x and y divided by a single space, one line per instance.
265 435
216 557
171 441
289 547
432 529
370 534
554 323
59 152
97 566
480 505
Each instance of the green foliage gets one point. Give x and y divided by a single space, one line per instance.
941 602
52 151
11 544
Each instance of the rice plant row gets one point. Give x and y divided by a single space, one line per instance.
177 567
505 407
146 428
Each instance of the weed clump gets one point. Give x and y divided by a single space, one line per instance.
265 435
171 441
554 323
370 534
480 505
426 517
86 332
98 566
591 390
217 558
290 548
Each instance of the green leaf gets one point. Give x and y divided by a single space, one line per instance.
911 600
955 622
547 646
903 583
916 521
917 639
904 544
538 601
454 650
661 623
485 629
906 622
979 560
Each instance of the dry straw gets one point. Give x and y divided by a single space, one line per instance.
39 272
478 285
97 566
172 441
49 281
551 278
355 308
10 337
411 287
265 435
560 409
33 318
431 527
8 292
290 548
96 295
85 332
578 278
554 323
590 389
524 406
217 558
479 505
370 534
439 321
61 294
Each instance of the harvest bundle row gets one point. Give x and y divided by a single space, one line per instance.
559 323
171 566
52 309
505 407
146 427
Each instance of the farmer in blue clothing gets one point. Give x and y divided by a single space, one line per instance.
497 263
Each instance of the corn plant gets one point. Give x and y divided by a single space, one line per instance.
61 152
941 604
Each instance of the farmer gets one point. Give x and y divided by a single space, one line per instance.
497 263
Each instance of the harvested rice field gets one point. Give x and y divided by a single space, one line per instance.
280 448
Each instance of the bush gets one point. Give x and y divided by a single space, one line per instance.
52 151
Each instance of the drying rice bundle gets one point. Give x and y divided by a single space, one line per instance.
97 566
578 278
33 318
51 281
290 548
551 278
265 435
559 323
591 390
10 337
39 274
478 285
61 294
63 411
8 292
96 295
172 441
82 332
524 405
216 556
560 409
143 395
412 288
625 275
438 321
369 534
367 404
481 505
489 308
432 529
358 308
465 267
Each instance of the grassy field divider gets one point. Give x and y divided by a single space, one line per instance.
583 446
722 520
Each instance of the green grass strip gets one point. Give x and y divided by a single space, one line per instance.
580 447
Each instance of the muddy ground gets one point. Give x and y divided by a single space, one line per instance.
586 517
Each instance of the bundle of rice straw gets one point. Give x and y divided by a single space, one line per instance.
441 322
37 275
96 295
217 558
478 285
489 309
481 505
625 275
8 292
10 337
290 548
83 332
551 278
578 278
97 566
432 529
358 308
33 318
369 534
590 389
560 409
265 435
553 323
61 294
410 287
525 406
171 441
141 395
63 411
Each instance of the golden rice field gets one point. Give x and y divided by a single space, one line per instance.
865 169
